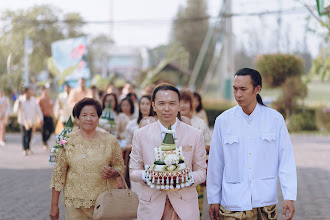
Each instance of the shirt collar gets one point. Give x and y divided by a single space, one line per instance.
162 128
250 117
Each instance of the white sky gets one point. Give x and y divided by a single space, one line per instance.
254 33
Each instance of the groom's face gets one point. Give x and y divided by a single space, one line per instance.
166 105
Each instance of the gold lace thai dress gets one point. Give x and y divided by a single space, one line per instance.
78 166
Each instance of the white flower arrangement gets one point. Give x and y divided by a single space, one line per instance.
171 159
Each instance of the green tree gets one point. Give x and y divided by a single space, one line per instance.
321 64
40 24
73 24
189 29
284 71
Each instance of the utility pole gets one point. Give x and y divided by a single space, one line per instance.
228 51
28 47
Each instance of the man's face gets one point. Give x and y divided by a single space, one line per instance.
167 106
244 92
67 89
46 92
29 92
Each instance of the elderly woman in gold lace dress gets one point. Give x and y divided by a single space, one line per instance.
83 165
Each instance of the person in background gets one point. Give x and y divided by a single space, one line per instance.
27 110
62 109
79 93
126 113
112 99
132 96
128 88
4 114
250 149
95 92
148 89
198 107
82 167
47 108
111 88
186 109
145 110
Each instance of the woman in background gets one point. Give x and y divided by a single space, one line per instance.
112 99
198 107
145 110
126 113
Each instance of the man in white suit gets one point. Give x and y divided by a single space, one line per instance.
156 204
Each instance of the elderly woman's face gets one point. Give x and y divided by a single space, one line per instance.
88 118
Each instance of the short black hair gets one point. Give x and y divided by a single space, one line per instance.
129 95
163 87
130 103
84 102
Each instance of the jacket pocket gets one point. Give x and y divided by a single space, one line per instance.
268 137
229 139
146 197
189 194
232 157
268 156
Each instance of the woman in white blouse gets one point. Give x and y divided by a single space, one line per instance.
186 109
145 110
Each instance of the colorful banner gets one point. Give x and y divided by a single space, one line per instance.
69 53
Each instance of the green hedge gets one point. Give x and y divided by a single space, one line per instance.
303 121
12 125
323 119
214 109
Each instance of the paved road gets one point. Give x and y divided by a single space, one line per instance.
25 193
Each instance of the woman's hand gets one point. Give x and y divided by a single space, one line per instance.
54 213
109 172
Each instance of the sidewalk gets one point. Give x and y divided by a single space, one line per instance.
25 192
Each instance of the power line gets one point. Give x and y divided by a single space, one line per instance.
294 10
